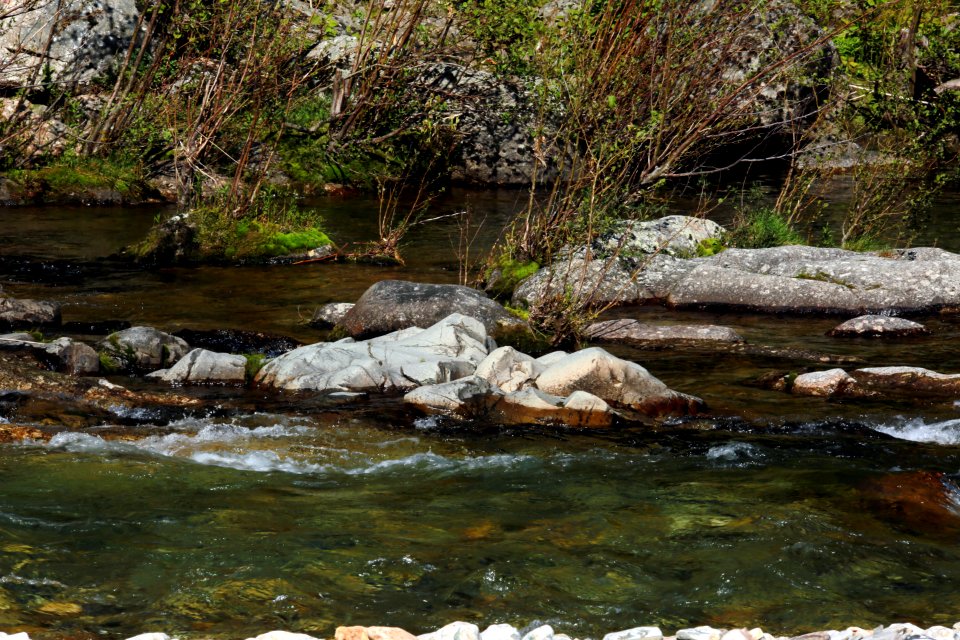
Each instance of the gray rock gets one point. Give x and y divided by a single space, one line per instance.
390 305
508 369
17 338
500 632
700 633
649 335
448 350
679 236
878 327
466 398
329 315
21 312
548 359
88 39
822 383
202 366
172 242
75 358
142 349
618 382
454 631
637 633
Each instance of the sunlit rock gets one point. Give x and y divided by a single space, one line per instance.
822 383
544 632
509 369
454 631
15 312
650 335
700 633
150 636
878 327
282 635
500 632
202 366
326 316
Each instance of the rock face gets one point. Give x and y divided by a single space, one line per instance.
649 335
391 305
904 383
776 280
878 327
589 388
399 361
28 313
678 236
200 366
141 349
172 242
86 39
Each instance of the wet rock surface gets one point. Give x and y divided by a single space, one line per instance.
141 349
17 313
330 315
900 383
201 366
650 335
878 327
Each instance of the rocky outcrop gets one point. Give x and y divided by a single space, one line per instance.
171 242
589 388
896 383
200 366
678 236
878 327
141 349
63 354
73 42
391 305
660 336
796 279
399 361
28 313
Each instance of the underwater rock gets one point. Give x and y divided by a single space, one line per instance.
643 334
878 327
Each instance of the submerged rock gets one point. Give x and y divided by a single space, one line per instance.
28 313
141 349
902 383
650 335
202 366
390 305
878 327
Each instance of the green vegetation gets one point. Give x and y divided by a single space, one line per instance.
78 178
255 362
506 273
760 227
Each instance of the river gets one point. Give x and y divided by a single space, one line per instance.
259 513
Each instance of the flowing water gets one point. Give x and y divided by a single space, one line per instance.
262 512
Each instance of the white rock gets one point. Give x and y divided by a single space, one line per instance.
544 632
201 366
500 632
637 633
151 636
941 633
14 636
509 369
466 397
822 383
548 359
737 634
700 633
454 631
282 635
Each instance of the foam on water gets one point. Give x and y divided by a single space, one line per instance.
916 430
733 452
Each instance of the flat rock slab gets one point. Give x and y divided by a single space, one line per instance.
895 383
878 327
391 305
16 312
651 335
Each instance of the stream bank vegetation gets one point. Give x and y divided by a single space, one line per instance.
235 109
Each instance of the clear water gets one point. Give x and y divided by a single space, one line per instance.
795 514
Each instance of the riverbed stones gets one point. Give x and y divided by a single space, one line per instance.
390 305
822 383
372 633
399 361
141 349
19 312
873 326
282 635
543 632
699 633
637 633
500 632
74 357
509 369
200 366
652 336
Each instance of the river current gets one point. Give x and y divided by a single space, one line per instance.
257 513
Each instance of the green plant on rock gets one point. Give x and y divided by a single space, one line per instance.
758 225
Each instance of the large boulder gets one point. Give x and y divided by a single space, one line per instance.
28 313
200 366
141 349
83 40
400 361
390 305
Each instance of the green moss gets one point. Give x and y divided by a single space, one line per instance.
109 364
822 276
710 247
281 244
81 178
519 312
506 273
255 362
